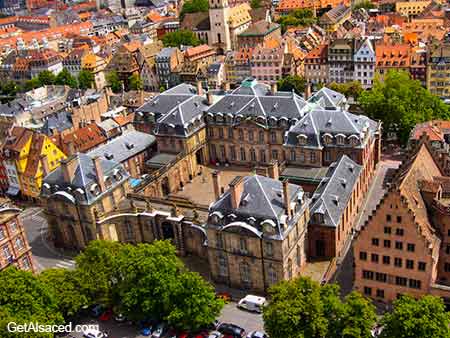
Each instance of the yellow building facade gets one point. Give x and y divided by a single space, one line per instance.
411 8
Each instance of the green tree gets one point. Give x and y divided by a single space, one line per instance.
400 103
112 79
24 298
366 4
46 78
65 78
299 17
194 6
85 79
66 286
255 4
349 89
194 303
413 318
292 82
181 37
303 308
32 84
135 82
97 271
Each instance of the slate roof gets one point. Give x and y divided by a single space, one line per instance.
256 99
260 28
334 191
328 99
57 122
262 199
81 188
214 68
320 122
124 146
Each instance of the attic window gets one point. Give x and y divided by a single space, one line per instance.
351 167
245 200
343 181
129 145
109 156
335 199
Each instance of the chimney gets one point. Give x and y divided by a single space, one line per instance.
307 91
44 163
273 87
273 170
199 88
70 148
68 167
216 184
286 199
99 173
236 189
209 97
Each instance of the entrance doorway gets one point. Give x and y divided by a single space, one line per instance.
165 186
167 231
320 248
199 156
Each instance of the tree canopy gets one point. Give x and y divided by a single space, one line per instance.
113 80
85 79
400 103
349 89
255 4
299 17
292 82
366 4
303 308
413 318
24 298
64 78
181 37
135 82
194 6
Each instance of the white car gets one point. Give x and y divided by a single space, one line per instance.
252 303
215 334
93 333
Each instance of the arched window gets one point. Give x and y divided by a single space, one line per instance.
340 139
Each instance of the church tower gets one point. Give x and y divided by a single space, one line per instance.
220 30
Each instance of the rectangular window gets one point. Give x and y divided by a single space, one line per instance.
261 137
367 291
221 133
398 262
241 134
367 274
414 284
230 132
250 135
399 245
211 132
422 266
381 277
402 281
363 255
223 153
387 230
233 152
243 157
293 155
399 219
269 249
386 260
273 137
387 243
374 258
243 244
274 154
447 267
388 218
448 232
312 157
411 247
409 264
375 241
399 232
380 293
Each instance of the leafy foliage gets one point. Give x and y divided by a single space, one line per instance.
24 298
181 37
349 89
65 78
292 82
366 4
85 79
303 308
194 6
255 4
112 78
299 17
46 78
400 103
412 318
135 82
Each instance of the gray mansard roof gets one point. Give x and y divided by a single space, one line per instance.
317 124
254 99
334 191
178 111
328 99
124 146
82 188
261 204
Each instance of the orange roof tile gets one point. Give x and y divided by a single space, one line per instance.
83 139
197 50
124 120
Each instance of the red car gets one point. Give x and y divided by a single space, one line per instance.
105 316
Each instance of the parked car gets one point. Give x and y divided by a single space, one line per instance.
215 334
97 310
105 316
146 327
231 330
159 330
257 334
224 295
214 325
252 303
119 318
93 333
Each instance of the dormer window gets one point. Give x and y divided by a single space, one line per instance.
353 139
340 139
327 138
302 138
